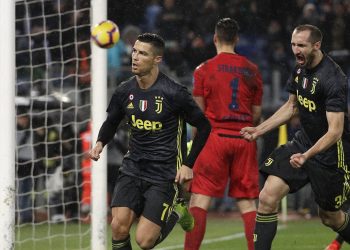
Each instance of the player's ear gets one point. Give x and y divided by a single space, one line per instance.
158 59
317 45
215 38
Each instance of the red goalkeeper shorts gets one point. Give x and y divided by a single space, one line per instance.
226 157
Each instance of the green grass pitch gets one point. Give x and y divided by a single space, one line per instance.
223 233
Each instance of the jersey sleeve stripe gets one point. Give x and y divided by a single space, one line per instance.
178 142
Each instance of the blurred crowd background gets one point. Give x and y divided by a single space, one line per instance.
265 29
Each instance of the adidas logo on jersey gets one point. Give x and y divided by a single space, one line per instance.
130 106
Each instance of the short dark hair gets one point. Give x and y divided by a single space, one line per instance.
226 29
315 33
155 40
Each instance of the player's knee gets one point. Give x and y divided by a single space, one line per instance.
145 242
330 220
119 231
327 221
246 205
267 203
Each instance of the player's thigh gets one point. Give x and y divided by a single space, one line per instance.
278 164
329 184
244 173
273 191
211 169
122 220
128 193
158 202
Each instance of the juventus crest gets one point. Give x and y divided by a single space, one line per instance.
159 104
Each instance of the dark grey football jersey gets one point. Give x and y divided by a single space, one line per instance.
157 119
323 88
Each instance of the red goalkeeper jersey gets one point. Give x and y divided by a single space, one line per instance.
230 85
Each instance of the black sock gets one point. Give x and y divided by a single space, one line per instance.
265 230
339 239
344 230
164 232
121 244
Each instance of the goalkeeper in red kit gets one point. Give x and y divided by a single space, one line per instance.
228 88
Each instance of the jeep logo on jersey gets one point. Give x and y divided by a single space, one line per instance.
143 105
146 124
159 104
308 104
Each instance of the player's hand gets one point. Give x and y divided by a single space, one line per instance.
184 174
249 133
95 152
297 160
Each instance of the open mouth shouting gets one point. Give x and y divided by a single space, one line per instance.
300 59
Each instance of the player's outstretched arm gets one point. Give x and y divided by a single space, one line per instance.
334 133
281 116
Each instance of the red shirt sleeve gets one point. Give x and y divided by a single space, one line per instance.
198 81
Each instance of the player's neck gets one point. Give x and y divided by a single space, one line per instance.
146 81
317 59
225 49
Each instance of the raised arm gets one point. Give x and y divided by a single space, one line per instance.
334 133
281 116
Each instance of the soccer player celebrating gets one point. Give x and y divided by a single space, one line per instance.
157 109
228 88
319 153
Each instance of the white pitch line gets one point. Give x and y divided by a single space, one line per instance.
209 241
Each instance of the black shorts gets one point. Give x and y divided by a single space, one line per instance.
329 183
153 201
